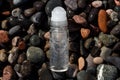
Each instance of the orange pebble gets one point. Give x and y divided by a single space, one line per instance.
6 13
81 63
102 20
3 36
85 32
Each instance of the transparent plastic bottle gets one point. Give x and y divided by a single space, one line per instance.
59 40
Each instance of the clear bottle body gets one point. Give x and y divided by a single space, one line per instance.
59 47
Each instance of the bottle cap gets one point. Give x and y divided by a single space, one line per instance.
58 14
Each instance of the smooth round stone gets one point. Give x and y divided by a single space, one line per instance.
14 30
98 60
81 63
83 75
35 54
36 17
4 36
16 12
106 72
29 12
51 4
72 4
97 4
107 39
3 55
35 40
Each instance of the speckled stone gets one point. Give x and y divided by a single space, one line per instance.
114 16
35 54
107 39
35 40
89 43
4 36
107 72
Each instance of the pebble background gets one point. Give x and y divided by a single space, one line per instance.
94 39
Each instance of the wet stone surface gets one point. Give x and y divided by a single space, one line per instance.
94 39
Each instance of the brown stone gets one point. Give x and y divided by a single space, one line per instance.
6 13
85 32
7 73
15 41
47 35
79 19
102 20
81 63
21 45
4 36
47 45
117 2
4 24
3 55
98 60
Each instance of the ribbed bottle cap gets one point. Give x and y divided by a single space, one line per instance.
58 14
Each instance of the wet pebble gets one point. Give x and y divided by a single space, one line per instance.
35 54
98 60
35 40
4 36
83 75
81 63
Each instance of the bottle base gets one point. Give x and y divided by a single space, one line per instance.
58 70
